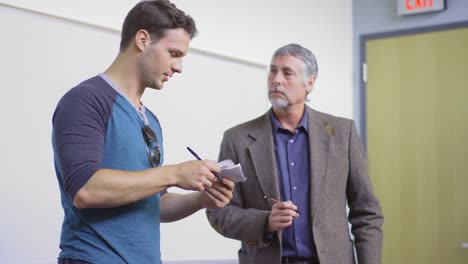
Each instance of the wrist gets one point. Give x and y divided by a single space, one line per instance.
200 203
267 234
170 171
270 236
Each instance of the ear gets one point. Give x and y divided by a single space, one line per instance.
310 83
142 39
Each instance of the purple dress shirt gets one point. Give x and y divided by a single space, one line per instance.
292 160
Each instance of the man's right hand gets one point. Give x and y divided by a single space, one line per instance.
196 175
281 216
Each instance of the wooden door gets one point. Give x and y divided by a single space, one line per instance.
417 140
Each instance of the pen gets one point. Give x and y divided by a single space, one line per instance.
193 153
198 158
276 201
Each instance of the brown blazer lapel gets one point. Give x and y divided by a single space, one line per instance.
263 156
319 148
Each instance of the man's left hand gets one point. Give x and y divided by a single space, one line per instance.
218 195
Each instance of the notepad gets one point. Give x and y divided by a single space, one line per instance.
231 171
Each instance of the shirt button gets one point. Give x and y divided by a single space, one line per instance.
295 188
292 163
291 140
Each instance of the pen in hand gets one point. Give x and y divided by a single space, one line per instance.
276 201
198 158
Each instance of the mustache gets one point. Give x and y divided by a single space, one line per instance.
277 89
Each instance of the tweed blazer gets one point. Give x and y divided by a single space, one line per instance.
338 176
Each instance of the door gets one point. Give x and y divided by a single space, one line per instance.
417 141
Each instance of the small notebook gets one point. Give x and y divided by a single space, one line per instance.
231 171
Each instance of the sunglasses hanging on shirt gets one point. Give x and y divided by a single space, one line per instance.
152 146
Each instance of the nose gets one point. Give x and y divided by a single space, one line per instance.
177 66
277 78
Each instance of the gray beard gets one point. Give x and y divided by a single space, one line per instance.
279 102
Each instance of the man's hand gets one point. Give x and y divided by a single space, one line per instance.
196 175
281 216
218 195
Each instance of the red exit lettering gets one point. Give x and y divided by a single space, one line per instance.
418 4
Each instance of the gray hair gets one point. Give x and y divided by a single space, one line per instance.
305 55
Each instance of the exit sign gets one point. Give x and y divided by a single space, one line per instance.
409 7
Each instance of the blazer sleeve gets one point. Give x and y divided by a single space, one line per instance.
234 221
365 214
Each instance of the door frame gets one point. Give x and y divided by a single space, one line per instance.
363 66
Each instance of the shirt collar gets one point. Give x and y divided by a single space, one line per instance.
303 124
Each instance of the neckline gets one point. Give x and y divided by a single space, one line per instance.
140 111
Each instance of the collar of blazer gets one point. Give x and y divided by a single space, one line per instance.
317 123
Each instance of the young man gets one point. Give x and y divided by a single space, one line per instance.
108 149
314 163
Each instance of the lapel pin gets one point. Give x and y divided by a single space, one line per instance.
330 130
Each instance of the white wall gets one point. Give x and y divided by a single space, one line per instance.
248 30
43 53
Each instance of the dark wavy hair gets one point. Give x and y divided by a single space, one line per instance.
155 16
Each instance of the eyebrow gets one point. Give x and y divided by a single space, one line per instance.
286 68
177 52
